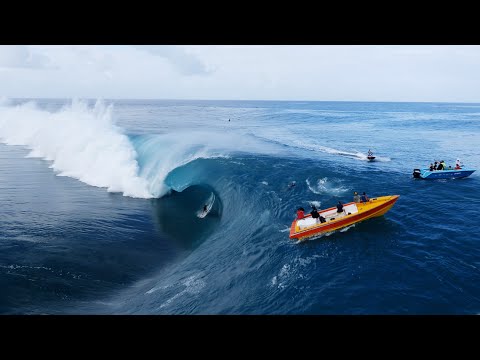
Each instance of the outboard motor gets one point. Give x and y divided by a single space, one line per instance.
416 173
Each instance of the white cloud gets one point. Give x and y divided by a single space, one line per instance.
359 73
21 56
186 63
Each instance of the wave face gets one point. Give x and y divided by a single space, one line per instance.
141 247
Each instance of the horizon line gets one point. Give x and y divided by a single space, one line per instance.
259 100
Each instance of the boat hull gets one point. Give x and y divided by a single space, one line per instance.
373 208
442 174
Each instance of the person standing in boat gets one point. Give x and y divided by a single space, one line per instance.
339 207
314 213
356 197
364 197
300 213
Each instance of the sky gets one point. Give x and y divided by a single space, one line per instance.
419 73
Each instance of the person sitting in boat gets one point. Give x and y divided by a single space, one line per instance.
450 167
440 166
364 197
458 165
300 213
435 166
431 167
444 165
205 208
339 207
356 197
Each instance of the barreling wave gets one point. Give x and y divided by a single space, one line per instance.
85 143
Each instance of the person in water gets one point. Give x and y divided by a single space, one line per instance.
292 184
364 197
300 213
356 197
339 207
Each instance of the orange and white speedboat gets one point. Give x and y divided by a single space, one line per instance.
353 213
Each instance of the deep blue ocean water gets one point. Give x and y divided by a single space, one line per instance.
99 205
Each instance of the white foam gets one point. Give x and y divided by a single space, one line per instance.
316 203
82 143
325 186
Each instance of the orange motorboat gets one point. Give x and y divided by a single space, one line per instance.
352 213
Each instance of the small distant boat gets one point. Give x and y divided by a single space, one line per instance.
442 174
353 213
370 156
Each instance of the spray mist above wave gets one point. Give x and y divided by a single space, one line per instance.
82 143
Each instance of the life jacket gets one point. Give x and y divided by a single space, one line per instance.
300 214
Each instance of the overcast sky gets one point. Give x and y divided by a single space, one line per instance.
239 72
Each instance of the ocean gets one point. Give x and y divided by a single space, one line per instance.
100 205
